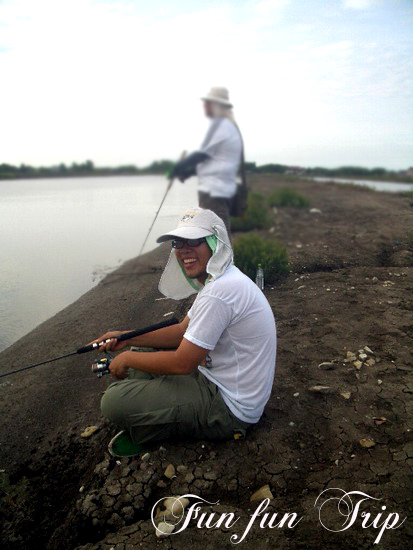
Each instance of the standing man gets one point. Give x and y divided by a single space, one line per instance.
218 160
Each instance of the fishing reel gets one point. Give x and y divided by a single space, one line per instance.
101 366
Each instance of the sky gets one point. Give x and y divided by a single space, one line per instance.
313 82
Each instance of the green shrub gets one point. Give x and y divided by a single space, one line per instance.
251 250
286 196
256 216
241 224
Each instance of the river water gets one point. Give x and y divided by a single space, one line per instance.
59 236
389 186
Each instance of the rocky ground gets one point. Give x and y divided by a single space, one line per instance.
340 415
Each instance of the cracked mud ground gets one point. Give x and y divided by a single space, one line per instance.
350 287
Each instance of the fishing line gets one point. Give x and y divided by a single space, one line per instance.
170 183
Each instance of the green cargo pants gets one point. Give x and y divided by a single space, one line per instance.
156 407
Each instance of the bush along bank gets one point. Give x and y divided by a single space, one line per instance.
251 250
258 214
286 196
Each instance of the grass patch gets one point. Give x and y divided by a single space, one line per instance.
286 196
408 194
251 250
257 214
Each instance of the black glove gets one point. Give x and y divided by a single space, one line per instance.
186 167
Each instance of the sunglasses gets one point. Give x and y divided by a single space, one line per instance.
192 243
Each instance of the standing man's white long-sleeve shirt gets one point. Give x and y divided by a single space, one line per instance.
217 175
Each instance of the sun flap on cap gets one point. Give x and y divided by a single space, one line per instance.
174 283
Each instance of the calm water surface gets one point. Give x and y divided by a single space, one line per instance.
59 236
389 186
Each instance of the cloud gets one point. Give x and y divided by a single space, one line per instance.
358 4
270 5
341 49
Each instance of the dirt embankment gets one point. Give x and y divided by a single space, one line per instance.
350 287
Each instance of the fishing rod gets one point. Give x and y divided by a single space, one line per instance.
168 188
96 345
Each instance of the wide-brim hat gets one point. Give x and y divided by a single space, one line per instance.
219 95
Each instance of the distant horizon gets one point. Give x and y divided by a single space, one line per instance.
156 160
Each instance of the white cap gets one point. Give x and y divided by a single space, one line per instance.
218 95
194 224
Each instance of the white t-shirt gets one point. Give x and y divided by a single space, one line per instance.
231 317
218 174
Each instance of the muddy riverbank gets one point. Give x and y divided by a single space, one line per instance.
350 286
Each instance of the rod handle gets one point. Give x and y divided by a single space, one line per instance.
129 335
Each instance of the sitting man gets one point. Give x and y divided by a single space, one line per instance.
214 374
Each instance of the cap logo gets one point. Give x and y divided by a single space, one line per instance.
188 216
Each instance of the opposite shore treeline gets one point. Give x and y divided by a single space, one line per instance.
10 172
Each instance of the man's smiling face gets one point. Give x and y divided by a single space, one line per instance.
194 260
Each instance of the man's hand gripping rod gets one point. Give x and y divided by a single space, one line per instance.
96 345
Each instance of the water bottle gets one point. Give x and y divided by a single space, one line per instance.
259 278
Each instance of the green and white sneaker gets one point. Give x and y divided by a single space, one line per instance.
123 446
